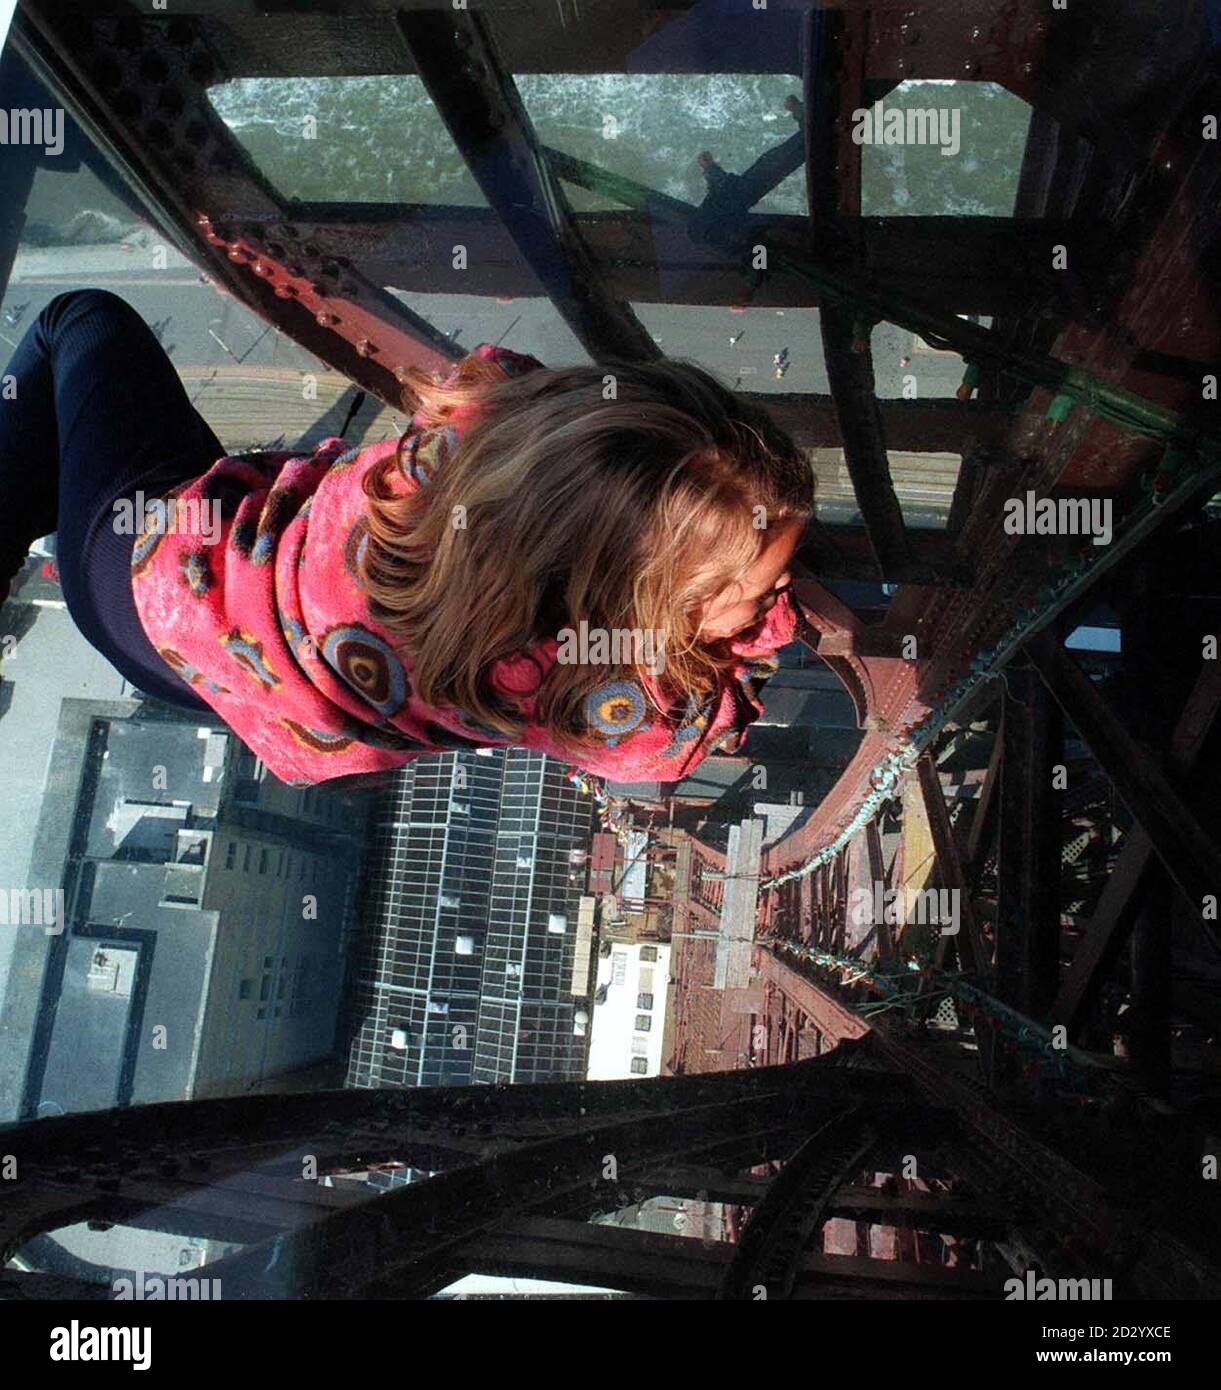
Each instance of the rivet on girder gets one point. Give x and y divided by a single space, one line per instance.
286 291
237 254
261 268
365 348
325 319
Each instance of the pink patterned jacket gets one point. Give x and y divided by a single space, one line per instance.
269 624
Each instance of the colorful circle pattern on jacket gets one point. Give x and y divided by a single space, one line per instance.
196 574
615 710
362 660
278 510
191 674
317 740
144 550
248 653
354 548
694 721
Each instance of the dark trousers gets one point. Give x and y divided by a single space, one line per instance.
98 414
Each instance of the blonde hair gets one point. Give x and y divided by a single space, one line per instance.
626 508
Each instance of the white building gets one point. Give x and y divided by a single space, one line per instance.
629 1011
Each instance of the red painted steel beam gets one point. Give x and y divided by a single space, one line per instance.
835 1022
182 162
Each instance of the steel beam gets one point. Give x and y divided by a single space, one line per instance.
832 82
983 818
456 58
850 374
833 1019
946 1212
654 1265
797 1203
1051 1194
1028 874
970 942
877 874
1149 1017
1122 894
331 308
650 256
410 1237
1190 852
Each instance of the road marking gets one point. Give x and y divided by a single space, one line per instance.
226 347
104 281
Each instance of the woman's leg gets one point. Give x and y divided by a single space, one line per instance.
98 413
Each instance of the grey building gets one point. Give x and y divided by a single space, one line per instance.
470 967
205 914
